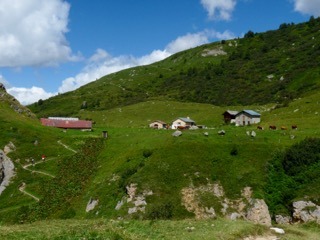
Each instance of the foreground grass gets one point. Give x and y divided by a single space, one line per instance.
185 229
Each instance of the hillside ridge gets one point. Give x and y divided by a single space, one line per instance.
275 66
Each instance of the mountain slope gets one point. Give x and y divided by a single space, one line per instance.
275 66
19 126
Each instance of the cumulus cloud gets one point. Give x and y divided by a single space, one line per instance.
29 95
311 7
32 33
187 41
219 9
102 63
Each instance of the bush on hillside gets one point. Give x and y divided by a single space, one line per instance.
290 173
301 156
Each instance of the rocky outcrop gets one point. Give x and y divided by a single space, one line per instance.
136 202
189 200
6 171
213 52
306 211
10 147
283 219
258 212
92 204
255 210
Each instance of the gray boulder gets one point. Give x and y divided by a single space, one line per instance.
258 212
92 204
306 211
177 134
6 171
283 219
222 132
253 134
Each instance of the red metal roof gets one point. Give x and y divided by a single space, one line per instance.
79 124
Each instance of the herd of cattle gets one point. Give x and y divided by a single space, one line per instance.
272 127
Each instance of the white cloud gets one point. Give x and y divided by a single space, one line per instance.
219 9
29 95
32 33
311 7
187 41
102 63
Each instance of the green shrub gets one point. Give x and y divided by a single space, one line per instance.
160 211
291 172
147 153
234 151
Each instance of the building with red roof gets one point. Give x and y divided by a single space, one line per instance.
66 123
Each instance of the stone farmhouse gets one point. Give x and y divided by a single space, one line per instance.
183 122
247 117
158 125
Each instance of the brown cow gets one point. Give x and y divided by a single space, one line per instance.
260 127
183 127
272 127
294 127
283 128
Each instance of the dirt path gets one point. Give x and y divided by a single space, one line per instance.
22 189
34 171
40 172
67 147
23 186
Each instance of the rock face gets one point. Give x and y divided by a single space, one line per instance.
254 210
6 171
92 204
258 212
306 211
283 219
136 202
189 200
9 148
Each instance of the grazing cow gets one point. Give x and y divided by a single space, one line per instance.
294 127
283 128
183 127
272 127
260 127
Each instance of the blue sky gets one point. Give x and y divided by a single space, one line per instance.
54 46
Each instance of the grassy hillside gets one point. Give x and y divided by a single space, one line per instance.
31 140
275 66
154 160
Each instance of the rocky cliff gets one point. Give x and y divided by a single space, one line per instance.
6 167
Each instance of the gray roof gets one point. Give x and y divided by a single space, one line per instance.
187 120
251 113
232 112
159 121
